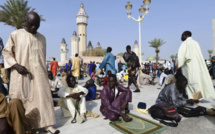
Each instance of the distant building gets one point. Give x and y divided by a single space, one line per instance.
63 50
136 48
90 46
74 44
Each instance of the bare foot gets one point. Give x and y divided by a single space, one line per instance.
126 118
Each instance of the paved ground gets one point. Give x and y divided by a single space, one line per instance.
148 94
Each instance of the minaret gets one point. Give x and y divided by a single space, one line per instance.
98 45
74 44
136 48
81 20
63 50
90 46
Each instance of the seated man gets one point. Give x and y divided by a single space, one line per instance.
163 77
12 116
114 100
105 82
72 101
91 89
54 82
120 76
173 93
145 79
169 79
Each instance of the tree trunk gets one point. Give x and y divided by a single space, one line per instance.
156 58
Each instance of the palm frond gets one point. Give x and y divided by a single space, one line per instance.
13 13
156 43
210 51
172 57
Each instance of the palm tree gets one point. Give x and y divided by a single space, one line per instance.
156 43
210 52
172 57
13 13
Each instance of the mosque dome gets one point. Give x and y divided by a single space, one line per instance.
151 58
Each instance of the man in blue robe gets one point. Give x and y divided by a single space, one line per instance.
68 66
90 66
91 87
109 62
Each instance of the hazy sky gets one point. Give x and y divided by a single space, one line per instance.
108 24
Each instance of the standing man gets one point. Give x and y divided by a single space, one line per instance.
213 66
53 67
76 66
172 65
193 66
120 66
90 66
1 48
116 65
132 63
108 62
68 66
25 54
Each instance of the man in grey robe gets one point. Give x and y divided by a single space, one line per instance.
173 93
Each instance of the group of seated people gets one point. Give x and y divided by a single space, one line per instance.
114 97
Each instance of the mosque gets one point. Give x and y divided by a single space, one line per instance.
79 43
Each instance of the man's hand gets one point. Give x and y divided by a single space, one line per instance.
75 96
20 69
191 102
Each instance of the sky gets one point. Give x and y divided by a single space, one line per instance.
108 24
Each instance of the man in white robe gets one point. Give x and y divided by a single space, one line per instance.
54 82
193 66
72 100
25 54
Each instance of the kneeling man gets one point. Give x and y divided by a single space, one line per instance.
72 101
173 93
114 100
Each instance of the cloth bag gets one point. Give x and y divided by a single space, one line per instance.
165 111
192 112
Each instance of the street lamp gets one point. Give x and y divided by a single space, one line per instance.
143 11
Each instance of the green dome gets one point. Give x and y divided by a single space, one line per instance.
150 58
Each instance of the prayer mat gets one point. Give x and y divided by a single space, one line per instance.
138 125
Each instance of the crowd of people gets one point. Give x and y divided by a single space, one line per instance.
32 86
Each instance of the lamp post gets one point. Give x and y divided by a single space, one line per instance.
144 10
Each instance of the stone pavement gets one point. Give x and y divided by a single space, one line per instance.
148 94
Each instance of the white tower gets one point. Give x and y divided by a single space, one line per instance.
136 48
81 20
63 50
74 44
